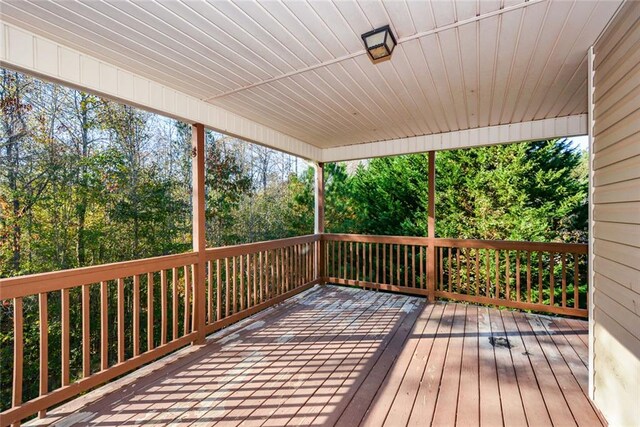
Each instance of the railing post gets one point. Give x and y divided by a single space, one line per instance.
198 220
431 225
319 221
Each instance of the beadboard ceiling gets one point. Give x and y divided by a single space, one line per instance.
299 66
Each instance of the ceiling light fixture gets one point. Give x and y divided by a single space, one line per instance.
379 43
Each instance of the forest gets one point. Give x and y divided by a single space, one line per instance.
87 181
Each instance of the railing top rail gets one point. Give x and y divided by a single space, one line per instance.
247 248
577 248
33 284
369 238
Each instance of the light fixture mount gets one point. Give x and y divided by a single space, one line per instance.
379 43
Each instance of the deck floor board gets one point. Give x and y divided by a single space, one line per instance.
343 356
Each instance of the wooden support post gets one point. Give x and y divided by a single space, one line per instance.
319 222
431 250
199 243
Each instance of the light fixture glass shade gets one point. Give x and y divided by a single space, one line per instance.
379 43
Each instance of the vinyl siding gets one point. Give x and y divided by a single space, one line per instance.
616 216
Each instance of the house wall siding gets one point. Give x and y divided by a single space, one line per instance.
616 219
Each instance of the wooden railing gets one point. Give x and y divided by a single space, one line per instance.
388 263
244 279
108 325
542 277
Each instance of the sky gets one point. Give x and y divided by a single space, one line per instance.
581 141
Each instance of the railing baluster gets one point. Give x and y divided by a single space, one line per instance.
261 276
467 258
44 345
488 279
564 280
18 349
540 278
163 304
477 276
552 279
104 322
65 320
518 276
507 294
86 343
227 280
174 302
150 343
136 315
421 261
120 320
248 273
398 264
576 281
458 289
441 262
450 274
384 263
234 281
187 299
284 285
210 291
242 290
497 295
256 299
406 265
529 276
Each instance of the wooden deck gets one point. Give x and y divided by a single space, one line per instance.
344 356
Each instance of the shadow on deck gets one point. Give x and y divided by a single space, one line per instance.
344 356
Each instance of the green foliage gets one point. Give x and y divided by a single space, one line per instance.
526 191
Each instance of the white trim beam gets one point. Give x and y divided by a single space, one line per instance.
24 51
503 134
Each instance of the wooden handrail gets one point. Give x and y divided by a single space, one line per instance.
247 248
574 248
33 284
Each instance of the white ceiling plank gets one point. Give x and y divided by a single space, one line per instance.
443 12
177 32
317 50
454 74
115 32
564 55
337 25
469 57
219 38
431 49
400 16
559 13
528 40
489 29
375 13
276 35
508 38
422 17
466 9
487 6
300 66
570 72
413 53
63 32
